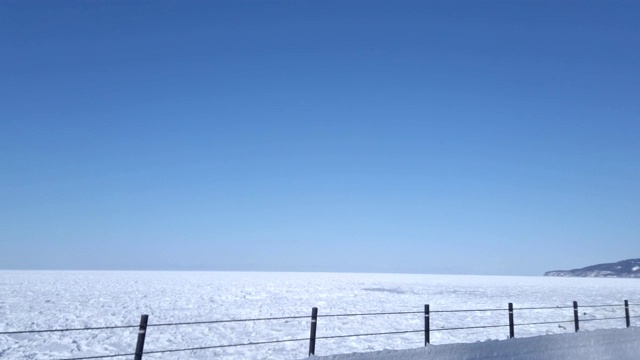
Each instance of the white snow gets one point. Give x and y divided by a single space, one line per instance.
50 299
635 268
620 344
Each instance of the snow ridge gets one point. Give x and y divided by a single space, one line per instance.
619 344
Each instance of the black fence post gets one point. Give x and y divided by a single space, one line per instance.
312 335
427 326
626 313
511 326
142 332
576 320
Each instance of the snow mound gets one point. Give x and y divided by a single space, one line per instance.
618 344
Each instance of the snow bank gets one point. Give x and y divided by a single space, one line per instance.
618 344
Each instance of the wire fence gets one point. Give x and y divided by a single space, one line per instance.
427 330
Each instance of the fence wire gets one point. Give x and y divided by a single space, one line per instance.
97 357
69 329
224 346
544 308
601 319
467 310
372 314
369 334
544 323
468 328
227 321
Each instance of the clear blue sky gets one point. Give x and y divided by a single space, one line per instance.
428 137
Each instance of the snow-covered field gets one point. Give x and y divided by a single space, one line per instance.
50 299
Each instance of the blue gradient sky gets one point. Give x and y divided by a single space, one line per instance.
428 137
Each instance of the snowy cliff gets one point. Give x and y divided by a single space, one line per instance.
622 269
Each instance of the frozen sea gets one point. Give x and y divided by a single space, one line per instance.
31 300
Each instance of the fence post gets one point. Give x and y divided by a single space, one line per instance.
626 313
312 335
511 326
576 320
427 325
142 332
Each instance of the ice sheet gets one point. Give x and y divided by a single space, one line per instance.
57 299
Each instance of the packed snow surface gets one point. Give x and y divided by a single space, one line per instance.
32 300
597 345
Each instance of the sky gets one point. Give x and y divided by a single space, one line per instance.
482 137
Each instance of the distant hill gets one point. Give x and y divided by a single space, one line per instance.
621 269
